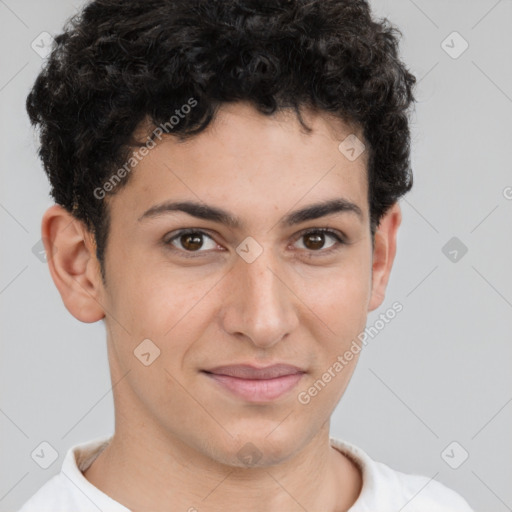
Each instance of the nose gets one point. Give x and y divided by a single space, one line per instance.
261 305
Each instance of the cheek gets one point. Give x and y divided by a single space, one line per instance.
340 316
150 296
340 297
164 308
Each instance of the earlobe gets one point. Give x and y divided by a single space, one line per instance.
384 254
73 264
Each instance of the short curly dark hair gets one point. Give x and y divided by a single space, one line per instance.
121 62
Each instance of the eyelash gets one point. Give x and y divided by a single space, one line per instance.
320 252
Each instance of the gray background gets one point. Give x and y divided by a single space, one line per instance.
438 373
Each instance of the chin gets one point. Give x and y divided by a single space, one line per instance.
260 447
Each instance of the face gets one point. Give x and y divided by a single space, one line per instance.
269 287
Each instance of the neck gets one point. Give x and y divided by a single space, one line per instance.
147 471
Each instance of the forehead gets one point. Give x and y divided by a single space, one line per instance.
245 159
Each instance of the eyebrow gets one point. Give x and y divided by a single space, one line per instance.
206 212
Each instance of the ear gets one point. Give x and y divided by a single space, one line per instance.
384 254
71 257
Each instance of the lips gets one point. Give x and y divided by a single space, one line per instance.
256 384
245 371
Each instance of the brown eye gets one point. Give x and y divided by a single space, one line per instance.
314 241
191 241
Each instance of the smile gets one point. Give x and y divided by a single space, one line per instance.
256 385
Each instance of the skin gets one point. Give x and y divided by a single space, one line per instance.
177 432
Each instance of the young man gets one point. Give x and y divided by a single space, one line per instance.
227 176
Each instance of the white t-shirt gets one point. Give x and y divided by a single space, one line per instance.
383 489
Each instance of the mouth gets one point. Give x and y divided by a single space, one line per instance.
256 384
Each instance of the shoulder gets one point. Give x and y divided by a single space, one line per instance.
419 493
54 496
69 490
386 489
